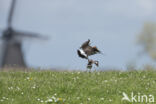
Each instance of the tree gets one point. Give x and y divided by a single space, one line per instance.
147 39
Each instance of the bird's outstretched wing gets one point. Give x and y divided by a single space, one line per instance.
82 54
85 44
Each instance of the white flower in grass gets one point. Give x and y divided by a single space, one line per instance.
105 81
10 88
41 101
78 98
101 98
53 97
50 100
34 86
38 99
4 97
88 99
110 100
27 78
18 88
22 93
1 100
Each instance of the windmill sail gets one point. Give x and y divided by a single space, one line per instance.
11 13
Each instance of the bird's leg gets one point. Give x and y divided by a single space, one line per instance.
95 69
89 65
96 63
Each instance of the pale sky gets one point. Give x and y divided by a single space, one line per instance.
112 25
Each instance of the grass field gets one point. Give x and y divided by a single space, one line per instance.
76 87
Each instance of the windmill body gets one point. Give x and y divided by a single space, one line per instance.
2 52
11 50
13 55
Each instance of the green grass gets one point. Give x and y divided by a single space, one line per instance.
37 87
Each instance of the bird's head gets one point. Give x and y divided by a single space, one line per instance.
95 49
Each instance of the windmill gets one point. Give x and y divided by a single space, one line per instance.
11 48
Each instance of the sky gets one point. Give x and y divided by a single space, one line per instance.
112 25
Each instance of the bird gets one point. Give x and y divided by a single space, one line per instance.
87 50
91 62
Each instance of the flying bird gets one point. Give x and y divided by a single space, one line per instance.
87 50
